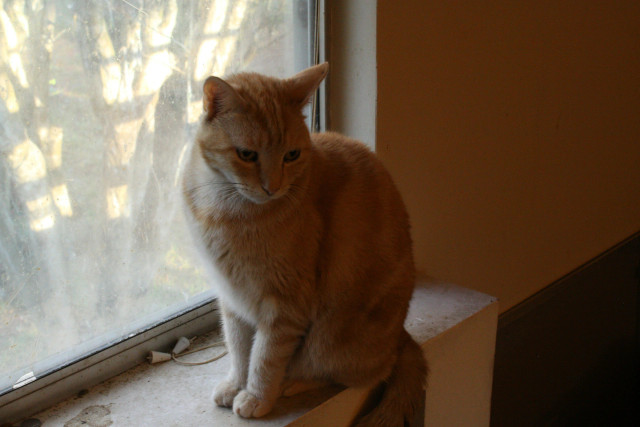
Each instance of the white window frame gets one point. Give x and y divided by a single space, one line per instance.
346 34
352 79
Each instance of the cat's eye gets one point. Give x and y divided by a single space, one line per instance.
292 155
247 155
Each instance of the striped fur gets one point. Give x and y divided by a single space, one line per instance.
312 258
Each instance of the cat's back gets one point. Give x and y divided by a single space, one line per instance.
366 271
345 152
365 224
347 166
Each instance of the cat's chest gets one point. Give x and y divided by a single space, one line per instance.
251 259
238 244
258 260
248 268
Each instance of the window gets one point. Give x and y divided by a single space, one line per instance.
98 102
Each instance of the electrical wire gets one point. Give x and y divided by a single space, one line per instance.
175 356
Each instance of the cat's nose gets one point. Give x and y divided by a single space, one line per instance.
268 191
271 181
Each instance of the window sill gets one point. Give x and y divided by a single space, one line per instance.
455 326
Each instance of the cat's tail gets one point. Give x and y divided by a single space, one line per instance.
402 391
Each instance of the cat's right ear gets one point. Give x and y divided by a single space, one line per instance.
218 97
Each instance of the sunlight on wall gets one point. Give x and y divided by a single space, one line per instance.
11 37
205 58
223 55
117 205
218 51
8 94
161 27
126 147
160 64
158 68
9 32
20 19
15 62
62 200
194 109
237 15
42 224
27 162
111 79
181 159
216 17
41 213
52 137
110 72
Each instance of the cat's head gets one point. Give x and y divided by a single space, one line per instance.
253 133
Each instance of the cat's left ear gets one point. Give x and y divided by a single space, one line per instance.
303 85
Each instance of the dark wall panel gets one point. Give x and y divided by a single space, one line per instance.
569 354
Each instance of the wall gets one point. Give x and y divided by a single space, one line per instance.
513 132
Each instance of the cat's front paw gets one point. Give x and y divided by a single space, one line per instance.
248 406
224 393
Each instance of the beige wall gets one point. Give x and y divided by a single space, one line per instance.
513 131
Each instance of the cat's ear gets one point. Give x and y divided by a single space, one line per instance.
303 85
218 97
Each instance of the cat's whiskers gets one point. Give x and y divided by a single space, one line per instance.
229 192
219 186
219 192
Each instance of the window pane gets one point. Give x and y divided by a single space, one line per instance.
98 100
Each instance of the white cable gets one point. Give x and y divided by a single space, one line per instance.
179 350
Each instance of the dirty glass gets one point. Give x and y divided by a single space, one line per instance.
98 100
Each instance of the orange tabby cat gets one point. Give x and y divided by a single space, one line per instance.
308 242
